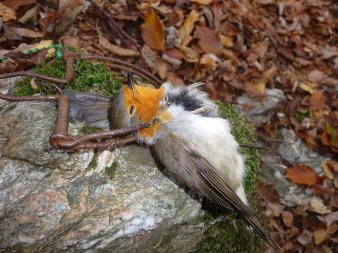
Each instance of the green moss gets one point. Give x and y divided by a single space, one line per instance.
228 237
244 135
93 163
111 171
89 130
89 77
224 236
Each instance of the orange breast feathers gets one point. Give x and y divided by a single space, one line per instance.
147 106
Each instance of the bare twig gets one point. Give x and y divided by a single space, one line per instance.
113 25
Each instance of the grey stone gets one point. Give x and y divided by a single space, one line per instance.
262 108
295 151
58 201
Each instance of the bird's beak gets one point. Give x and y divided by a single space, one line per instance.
131 83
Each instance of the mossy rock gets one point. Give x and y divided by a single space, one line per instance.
229 236
222 236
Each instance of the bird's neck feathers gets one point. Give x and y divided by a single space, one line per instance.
146 100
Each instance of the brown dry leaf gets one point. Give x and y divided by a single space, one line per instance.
34 84
30 17
302 174
316 76
208 40
270 73
226 41
322 234
188 27
15 4
335 182
23 32
210 61
154 61
308 87
152 31
189 23
327 170
174 79
334 200
115 49
203 2
287 218
255 88
317 100
8 66
189 54
305 237
329 219
316 205
7 13
268 193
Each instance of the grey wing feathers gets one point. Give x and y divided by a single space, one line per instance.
91 109
189 168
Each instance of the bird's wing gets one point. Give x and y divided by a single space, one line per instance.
189 168
91 109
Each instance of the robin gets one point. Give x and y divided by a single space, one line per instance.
188 141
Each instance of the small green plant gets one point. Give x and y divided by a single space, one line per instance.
111 171
89 77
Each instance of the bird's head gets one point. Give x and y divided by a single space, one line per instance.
136 104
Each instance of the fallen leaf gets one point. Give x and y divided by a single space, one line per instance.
316 205
255 88
7 13
8 66
329 219
226 41
152 31
317 100
327 170
188 27
71 9
174 79
208 40
210 61
335 182
270 73
287 218
16 33
302 174
154 61
322 234
305 237
34 84
15 4
30 17
334 200
115 49
308 87
189 54
316 76
332 132
268 193
203 2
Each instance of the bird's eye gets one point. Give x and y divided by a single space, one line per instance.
132 110
166 101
